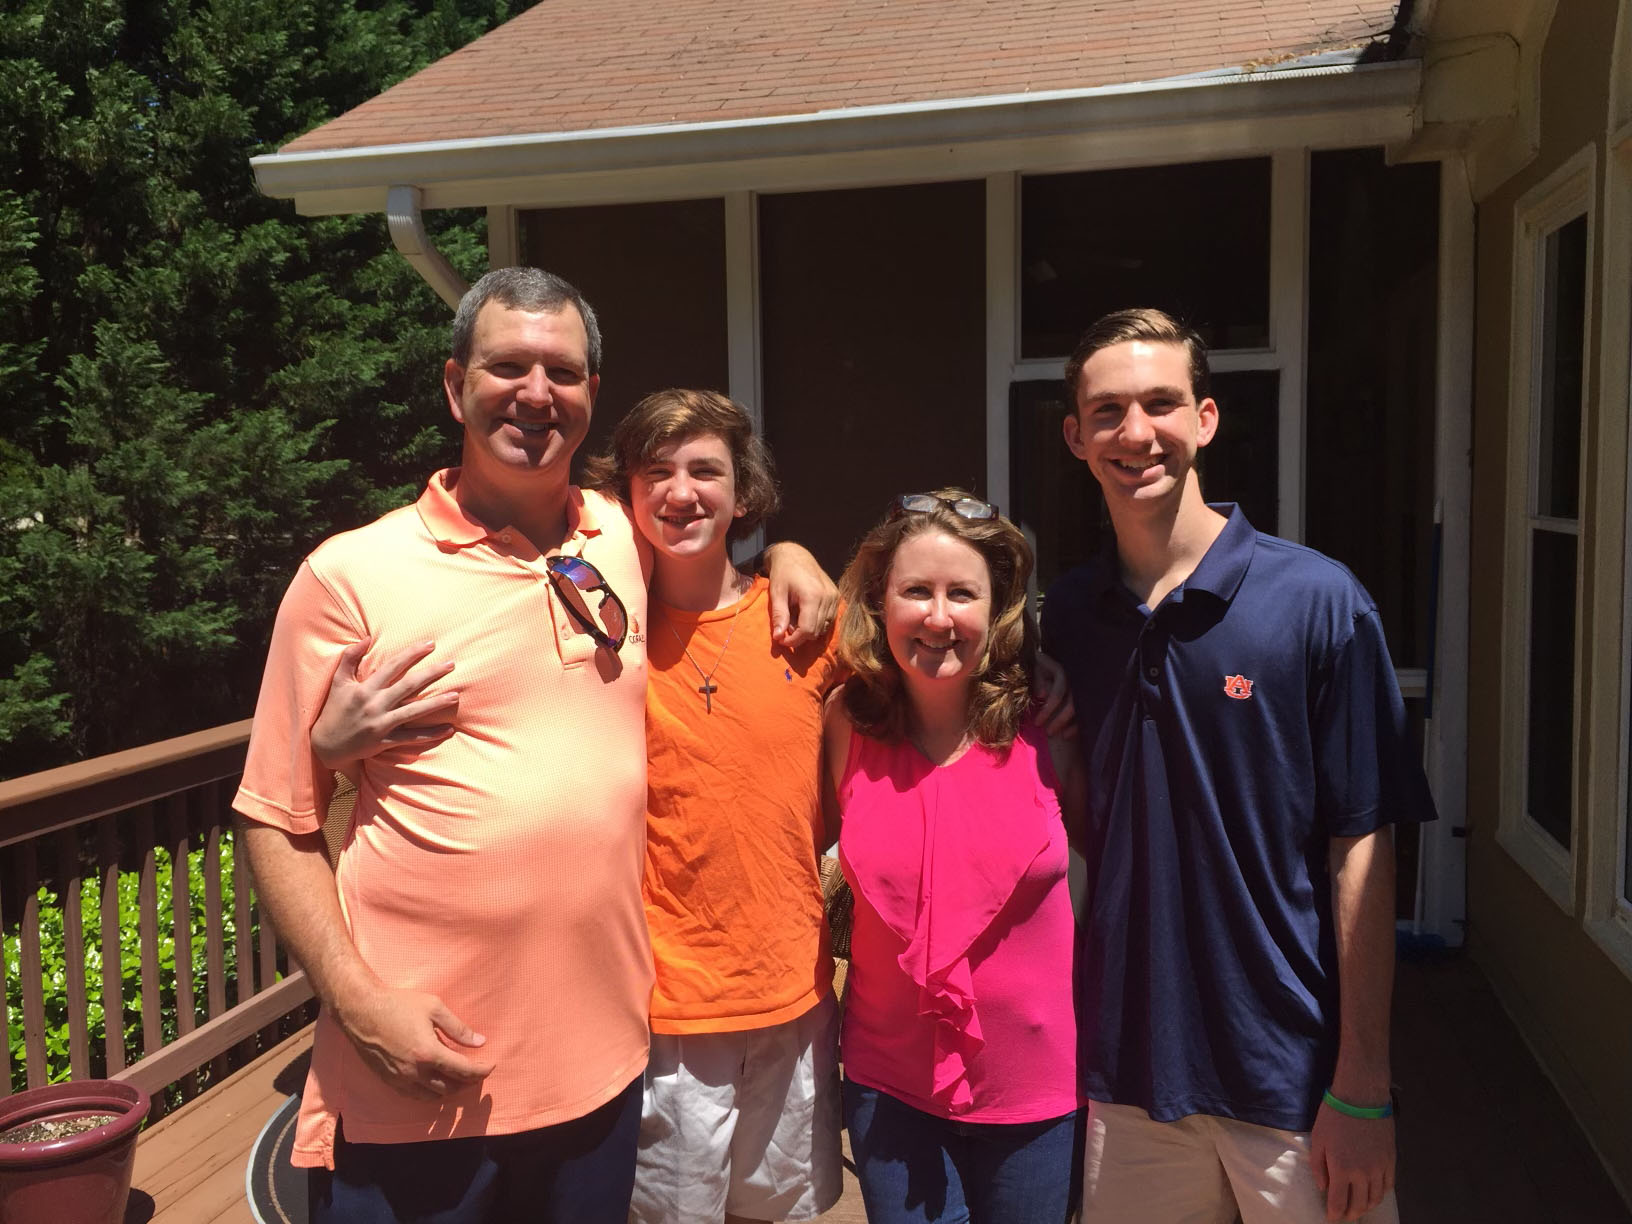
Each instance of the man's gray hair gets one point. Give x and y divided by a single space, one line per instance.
530 289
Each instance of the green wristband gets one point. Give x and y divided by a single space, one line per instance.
1358 1111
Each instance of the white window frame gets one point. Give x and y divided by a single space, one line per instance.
1564 195
1608 917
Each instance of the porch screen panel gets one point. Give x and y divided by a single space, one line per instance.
1373 290
873 352
1191 239
655 274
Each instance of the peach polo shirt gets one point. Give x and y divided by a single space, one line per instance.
501 868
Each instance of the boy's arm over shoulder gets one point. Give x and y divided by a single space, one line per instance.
605 503
803 598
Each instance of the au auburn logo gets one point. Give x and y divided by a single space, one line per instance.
1238 687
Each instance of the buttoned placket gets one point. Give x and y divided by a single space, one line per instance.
573 646
1152 650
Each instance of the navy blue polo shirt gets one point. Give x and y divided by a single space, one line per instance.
1229 734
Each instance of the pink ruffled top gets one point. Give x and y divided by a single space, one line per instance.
959 994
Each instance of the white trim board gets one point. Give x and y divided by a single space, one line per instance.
1159 122
1564 194
742 326
1608 912
1442 895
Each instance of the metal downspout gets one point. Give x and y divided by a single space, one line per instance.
407 223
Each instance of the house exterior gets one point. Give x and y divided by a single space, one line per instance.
1404 229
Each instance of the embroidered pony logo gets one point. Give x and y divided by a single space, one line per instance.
1238 687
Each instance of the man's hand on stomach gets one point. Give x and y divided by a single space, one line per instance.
411 1040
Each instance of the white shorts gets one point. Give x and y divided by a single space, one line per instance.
742 1123
1200 1170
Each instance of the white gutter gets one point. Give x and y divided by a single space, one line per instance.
407 225
455 173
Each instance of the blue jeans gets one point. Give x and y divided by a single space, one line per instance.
915 1167
578 1172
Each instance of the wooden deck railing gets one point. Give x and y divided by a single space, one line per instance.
113 819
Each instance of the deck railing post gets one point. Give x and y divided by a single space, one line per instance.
73 961
113 993
30 969
5 1046
147 920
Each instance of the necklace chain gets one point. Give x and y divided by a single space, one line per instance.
708 688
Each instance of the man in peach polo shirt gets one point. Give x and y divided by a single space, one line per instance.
480 948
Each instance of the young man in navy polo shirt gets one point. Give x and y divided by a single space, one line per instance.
1247 754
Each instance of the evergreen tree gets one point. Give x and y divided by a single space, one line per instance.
200 384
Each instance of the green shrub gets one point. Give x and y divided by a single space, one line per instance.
53 964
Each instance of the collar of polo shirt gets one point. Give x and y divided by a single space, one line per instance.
452 528
1220 571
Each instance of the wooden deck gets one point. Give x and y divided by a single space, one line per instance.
1465 1080
190 1167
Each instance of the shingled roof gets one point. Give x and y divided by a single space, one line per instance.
579 65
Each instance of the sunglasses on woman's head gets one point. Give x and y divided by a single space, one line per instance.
925 503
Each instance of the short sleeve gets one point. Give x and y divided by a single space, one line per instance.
284 784
1366 769
834 672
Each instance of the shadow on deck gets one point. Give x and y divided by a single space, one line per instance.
1485 1136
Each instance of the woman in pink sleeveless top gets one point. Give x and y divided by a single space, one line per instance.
959 1043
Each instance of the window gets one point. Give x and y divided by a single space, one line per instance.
1555 528
1551 259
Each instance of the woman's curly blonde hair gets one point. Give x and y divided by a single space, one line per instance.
874 697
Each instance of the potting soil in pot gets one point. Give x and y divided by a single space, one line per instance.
54 1128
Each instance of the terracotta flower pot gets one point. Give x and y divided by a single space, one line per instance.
78 1179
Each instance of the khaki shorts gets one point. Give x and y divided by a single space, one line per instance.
1200 1170
742 1123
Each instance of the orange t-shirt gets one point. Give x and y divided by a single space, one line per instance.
499 869
733 817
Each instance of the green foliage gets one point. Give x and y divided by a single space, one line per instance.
54 963
200 384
